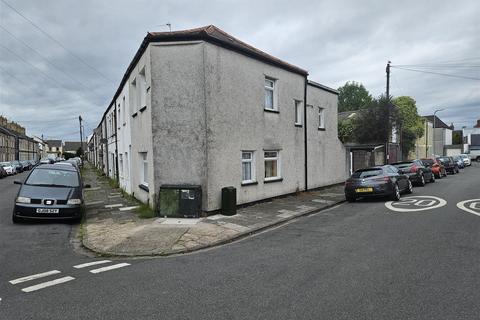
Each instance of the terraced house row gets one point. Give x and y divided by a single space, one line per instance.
14 144
202 110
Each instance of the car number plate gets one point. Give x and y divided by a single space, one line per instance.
41 210
364 190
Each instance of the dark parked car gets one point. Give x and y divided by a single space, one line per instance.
450 165
3 173
416 171
47 161
26 165
18 166
384 181
49 192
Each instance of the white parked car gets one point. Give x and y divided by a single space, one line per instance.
466 159
9 168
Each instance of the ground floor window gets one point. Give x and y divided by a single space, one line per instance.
272 164
248 167
143 168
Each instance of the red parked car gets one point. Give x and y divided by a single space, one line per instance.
438 168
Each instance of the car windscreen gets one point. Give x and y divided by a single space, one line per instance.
53 177
445 160
428 161
367 173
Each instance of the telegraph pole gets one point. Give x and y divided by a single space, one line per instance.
386 157
81 135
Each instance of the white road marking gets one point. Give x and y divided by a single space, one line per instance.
112 267
34 276
94 203
473 205
323 201
128 208
48 284
88 264
116 205
415 203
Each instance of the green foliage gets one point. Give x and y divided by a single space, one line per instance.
68 155
373 123
457 137
411 124
79 152
353 96
345 130
144 211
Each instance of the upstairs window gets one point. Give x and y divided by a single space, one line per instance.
298 112
142 89
321 118
270 94
133 96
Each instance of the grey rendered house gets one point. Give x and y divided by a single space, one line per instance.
207 109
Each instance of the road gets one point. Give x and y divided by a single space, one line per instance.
355 261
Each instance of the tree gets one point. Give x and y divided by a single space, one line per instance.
79 152
374 122
411 124
345 130
353 96
457 137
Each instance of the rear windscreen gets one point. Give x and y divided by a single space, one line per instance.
367 173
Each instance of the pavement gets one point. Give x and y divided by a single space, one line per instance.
113 227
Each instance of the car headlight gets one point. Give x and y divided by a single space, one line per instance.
23 200
74 201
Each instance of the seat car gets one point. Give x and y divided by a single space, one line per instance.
416 171
382 181
8 167
466 159
70 163
459 161
436 166
450 165
49 192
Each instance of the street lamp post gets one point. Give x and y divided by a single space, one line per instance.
434 117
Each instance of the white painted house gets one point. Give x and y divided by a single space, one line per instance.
201 108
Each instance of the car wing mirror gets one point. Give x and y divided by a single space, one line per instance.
17 182
400 172
87 186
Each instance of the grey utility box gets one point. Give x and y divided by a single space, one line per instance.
229 201
180 201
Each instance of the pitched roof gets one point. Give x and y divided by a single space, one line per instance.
323 87
71 145
210 34
54 143
438 123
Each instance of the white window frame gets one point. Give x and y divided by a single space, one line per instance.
321 118
252 166
298 112
277 159
143 165
133 96
142 89
273 89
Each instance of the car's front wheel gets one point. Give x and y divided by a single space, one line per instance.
422 180
16 219
350 198
432 179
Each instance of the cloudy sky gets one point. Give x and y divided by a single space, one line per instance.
66 58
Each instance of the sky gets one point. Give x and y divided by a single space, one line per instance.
62 59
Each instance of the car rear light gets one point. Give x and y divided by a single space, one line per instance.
413 169
381 179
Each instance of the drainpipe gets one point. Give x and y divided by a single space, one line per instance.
305 132
116 144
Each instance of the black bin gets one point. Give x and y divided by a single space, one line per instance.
229 201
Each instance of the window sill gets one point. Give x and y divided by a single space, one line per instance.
298 125
144 187
250 183
142 108
273 180
271 110
321 129
134 115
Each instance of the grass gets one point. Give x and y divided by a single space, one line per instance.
144 211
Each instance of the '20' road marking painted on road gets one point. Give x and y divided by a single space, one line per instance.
471 206
416 203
